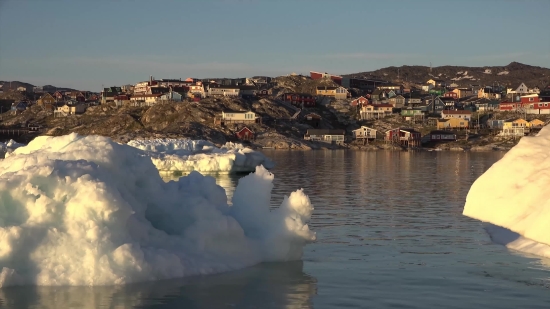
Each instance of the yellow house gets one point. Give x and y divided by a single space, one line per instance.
339 93
463 92
66 110
515 123
45 99
452 123
536 123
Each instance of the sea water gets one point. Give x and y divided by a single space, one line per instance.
390 235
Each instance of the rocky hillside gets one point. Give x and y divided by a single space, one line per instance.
174 120
511 75
299 84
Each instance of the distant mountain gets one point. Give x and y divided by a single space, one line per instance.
14 85
511 75
6 85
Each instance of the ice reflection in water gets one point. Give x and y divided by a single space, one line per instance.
269 285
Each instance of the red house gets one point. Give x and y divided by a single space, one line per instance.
317 75
360 101
298 99
245 134
403 136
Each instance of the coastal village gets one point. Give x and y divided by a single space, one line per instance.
319 110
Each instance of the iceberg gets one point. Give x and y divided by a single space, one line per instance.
513 197
87 211
10 146
185 155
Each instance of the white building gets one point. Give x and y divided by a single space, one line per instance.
66 110
239 117
364 132
223 90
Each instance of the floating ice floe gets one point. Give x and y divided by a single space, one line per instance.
513 196
84 210
185 155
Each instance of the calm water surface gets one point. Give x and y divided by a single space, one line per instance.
390 235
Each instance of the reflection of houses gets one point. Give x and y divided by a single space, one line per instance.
364 133
66 110
299 99
452 123
403 136
312 119
324 135
237 117
245 134
442 136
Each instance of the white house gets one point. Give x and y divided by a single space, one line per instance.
364 132
522 89
427 87
239 117
65 110
461 114
144 99
324 135
223 90
171 96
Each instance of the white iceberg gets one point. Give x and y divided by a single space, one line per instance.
9 146
185 155
78 210
513 196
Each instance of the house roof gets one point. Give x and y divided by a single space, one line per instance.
460 112
324 132
326 88
243 128
382 105
223 86
378 92
313 115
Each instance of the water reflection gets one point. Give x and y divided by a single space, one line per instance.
269 285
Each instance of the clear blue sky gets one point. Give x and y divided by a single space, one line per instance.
85 44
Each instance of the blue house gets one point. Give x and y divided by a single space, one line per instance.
434 106
19 107
172 96
495 124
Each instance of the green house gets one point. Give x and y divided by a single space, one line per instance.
411 112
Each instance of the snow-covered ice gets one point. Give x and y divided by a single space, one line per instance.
185 155
84 210
513 196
